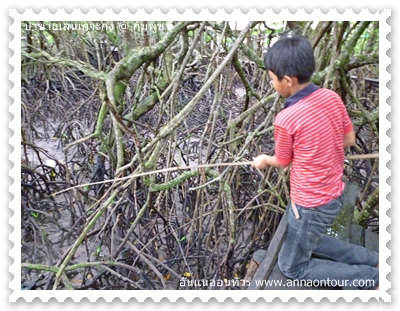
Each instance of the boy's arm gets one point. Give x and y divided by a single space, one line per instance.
349 139
262 161
283 151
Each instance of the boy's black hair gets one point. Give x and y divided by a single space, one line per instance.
291 55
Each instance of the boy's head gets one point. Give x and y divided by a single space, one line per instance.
291 56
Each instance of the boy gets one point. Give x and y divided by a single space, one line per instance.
311 133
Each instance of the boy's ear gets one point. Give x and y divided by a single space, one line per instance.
290 80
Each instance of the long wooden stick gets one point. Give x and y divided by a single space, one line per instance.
194 167
164 170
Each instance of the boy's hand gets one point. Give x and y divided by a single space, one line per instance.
260 162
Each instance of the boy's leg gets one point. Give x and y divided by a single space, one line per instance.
306 235
333 273
292 255
338 250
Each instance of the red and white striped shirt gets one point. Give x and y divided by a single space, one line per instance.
309 134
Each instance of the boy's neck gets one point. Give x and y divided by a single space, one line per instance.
297 87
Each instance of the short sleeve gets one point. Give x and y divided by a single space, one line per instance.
347 124
283 145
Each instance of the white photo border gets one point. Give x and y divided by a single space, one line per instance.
173 15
